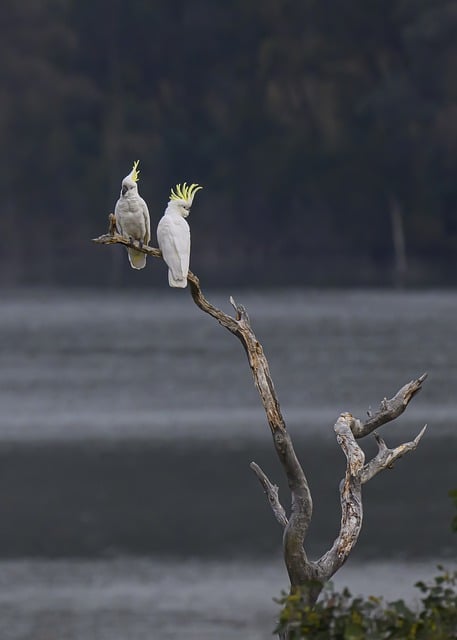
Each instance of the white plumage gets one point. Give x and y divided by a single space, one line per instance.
173 234
132 217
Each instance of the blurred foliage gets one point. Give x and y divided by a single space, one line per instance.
340 616
343 617
304 120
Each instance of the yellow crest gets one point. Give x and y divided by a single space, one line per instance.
135 174
184 192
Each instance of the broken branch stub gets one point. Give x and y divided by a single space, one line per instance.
272 493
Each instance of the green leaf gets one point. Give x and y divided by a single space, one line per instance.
354 631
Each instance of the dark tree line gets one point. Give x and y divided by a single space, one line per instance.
325 135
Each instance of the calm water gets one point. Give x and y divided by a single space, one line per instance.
115 365
128 424
144 599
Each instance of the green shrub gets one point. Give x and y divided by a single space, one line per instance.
342 617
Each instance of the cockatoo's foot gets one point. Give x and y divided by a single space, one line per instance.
140 243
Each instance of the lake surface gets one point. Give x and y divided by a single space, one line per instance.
81 365
128 424
144 599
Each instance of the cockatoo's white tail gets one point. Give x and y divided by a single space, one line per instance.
137 259
173 282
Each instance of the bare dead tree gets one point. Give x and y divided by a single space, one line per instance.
305 575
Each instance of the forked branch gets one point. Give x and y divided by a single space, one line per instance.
304 574
386 457
357 474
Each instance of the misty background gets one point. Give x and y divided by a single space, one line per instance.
325 136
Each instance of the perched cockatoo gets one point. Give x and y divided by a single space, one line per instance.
173 233
132 217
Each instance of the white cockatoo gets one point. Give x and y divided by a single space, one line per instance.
173 233
132 217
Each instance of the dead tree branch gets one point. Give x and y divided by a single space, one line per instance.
357 474
389 409
385 457
304 574
271 491
299 568
112 237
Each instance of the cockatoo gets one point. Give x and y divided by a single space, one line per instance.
132 217
173 233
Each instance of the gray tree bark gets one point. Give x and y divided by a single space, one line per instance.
305 575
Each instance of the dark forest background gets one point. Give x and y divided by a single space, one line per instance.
324 133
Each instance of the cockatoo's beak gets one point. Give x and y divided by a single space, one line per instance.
124 190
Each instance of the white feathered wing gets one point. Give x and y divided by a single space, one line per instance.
173 235
137 259
132 221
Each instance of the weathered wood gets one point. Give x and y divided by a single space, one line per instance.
357 474
297 564
272 493
112 237
389 409
351 499
299 568
385 457
305 576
